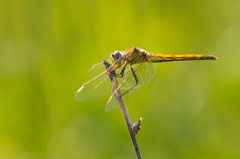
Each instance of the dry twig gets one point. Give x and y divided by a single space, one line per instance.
133 129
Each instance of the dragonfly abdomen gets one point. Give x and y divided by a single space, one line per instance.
169 58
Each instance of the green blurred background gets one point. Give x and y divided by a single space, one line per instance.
190 109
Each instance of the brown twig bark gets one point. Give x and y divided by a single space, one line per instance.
133 130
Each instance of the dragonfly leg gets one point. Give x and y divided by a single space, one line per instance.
136 79
120 75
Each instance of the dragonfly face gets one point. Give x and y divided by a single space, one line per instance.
117 58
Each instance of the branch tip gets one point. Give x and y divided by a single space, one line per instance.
136 126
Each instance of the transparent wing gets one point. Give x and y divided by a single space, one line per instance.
96 87
112 101
98 68
144 71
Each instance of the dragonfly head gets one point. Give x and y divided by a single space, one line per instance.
117 58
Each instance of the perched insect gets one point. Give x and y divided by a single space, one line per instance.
135 70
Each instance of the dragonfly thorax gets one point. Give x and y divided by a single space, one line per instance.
117 58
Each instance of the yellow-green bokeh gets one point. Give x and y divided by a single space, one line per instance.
189 110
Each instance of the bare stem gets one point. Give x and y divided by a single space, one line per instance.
123 108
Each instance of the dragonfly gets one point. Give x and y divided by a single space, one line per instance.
134 71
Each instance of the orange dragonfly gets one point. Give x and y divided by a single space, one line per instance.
134 69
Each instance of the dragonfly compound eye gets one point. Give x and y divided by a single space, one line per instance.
117 55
